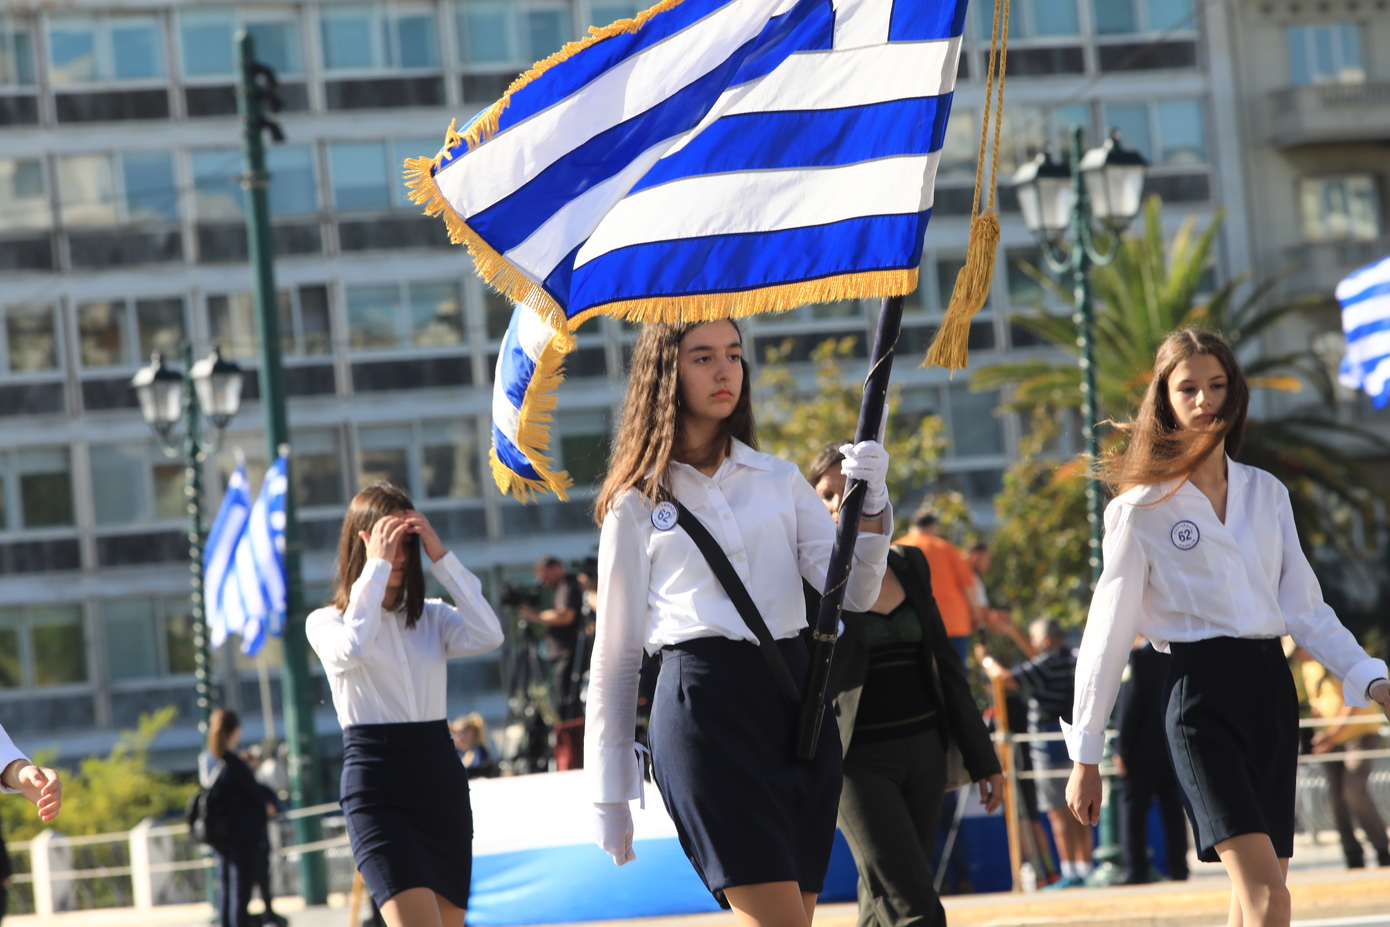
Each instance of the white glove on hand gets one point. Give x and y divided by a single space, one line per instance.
868 461
613 830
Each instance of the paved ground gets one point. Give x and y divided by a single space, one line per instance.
1325 894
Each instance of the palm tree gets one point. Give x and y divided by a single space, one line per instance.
1150 290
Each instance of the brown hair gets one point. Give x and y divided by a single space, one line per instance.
828 457
374 502
652 418
1160 451
222 724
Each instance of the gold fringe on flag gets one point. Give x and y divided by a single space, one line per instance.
950 348
533 428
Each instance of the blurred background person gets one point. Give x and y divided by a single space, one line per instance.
902 701
562 627
238 859
952 580
1142 761
470 742
1354 729
978 558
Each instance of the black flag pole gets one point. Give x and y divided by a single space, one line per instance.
851 508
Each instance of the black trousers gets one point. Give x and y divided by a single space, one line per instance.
1352 804
889 810
1136 798
236 874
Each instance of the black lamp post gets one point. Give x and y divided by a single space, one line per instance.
211 387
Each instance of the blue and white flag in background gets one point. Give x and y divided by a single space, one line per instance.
1365 299
244 576
707 159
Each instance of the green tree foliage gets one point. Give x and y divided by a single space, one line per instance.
108 793
794 423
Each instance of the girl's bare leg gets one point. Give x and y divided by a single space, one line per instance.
1259 897
771 904
415 907
450 915
808 901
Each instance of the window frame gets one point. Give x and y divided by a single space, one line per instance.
57 371
10 26
1338 31
241 17
131 359
415 460
518 39
11 472
1322 180
404 328
121 195
385 18
104 51
1156 140
27 657
1142 24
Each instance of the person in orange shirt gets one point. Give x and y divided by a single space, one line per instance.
952 580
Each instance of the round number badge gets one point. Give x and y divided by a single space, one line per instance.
665 516
1185 535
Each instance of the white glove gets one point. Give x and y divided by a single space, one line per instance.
613 830
868 461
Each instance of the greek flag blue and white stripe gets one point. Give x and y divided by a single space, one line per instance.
709 159
219 554
244 576
1365 299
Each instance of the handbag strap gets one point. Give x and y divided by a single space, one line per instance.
738 593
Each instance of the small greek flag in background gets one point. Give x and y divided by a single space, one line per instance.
708 159
1365 299
244 561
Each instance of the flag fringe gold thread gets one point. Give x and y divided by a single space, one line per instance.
486 125
533 429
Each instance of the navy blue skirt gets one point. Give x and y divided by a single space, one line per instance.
721 737
405 797
1231 714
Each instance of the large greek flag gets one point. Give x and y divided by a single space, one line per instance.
244 562
708 159
1365 299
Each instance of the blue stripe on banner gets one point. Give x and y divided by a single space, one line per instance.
808 138
920 21
511 455
511 220
514 366
809 26
1370 328
725 263
577 71
560 278
1371 292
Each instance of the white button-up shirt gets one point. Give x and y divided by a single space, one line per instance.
8 754
382 673
656 588
1175 572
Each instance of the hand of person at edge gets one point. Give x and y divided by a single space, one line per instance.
39 784
420 525
1083 793
385 540
1380 694
613 830
991 792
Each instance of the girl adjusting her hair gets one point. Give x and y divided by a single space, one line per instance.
384 647
756 823
902 701
1202 558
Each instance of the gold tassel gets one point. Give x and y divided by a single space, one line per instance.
950 349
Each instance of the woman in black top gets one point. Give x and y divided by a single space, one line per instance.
240 800
901 700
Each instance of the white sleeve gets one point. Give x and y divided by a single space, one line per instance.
470 626
1117 610
8 754
815 539
624 571
341 641
1313 624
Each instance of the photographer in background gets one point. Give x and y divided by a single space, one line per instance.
562 626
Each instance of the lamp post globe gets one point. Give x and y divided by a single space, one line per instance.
159 391
1045 195
1114 177
218 383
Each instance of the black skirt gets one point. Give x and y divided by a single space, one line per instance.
1231 713
405 797
722 737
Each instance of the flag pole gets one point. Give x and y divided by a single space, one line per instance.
846 532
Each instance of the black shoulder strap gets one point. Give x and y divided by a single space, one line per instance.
733 587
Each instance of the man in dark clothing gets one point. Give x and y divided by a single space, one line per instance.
561 621
1142 760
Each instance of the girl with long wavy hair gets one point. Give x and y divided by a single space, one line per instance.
1202 558
384 645
756 823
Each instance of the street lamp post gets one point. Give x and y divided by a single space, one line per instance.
1059 205
211 387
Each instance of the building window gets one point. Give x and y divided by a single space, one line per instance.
35 488
305 329
499 32
318 467
134 483
1027 130
31 341
431 459
217 186
383 453
23 195
116 333
92 49
117 189
207 37
583 440
377 36
367 175
423 314
148 638
1169 132
1339 208
1115 17
49 646
16 54
1329 54
1042 18
975 431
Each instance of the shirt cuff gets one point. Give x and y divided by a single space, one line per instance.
1361 676
617 776
1084 746
8 754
